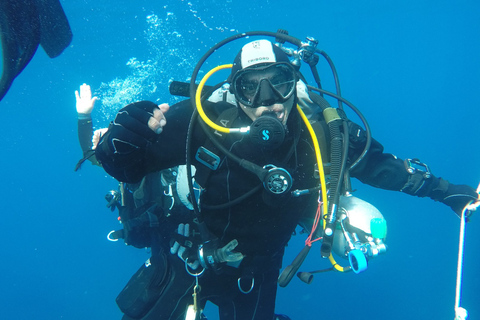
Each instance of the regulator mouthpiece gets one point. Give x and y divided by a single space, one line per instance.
267 131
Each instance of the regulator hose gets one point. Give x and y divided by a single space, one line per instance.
335 184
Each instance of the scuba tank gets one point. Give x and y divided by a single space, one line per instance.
360 236
362 232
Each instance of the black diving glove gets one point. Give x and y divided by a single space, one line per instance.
422 183
438 189
210 255
125 143
129 130
459 196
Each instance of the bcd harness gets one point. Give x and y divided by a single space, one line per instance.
211 157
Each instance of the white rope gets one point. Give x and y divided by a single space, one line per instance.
460 313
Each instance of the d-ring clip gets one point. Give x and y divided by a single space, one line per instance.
249 290
191 272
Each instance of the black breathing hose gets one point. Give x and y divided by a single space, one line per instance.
359 114
335 185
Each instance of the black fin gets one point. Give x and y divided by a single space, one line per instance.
55 32
24 24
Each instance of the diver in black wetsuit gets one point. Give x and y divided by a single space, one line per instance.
160 189
245 223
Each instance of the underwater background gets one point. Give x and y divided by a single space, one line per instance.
411 67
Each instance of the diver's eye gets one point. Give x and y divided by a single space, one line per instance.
249 87
283 81
278 79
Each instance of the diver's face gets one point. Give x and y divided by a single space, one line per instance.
270 87
281 110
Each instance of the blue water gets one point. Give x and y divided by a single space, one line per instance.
412 67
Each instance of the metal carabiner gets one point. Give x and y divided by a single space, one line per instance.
190 272
240 286
109 236
170 194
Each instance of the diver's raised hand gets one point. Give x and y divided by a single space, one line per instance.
85 102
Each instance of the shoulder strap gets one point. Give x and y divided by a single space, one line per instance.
204 170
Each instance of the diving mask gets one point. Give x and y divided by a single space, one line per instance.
265 85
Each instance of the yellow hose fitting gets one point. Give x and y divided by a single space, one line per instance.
330 114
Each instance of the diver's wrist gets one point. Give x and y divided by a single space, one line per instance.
84 116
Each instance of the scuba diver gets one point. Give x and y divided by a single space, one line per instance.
257 165
159 195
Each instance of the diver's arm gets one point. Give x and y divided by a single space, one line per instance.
135 145
85 132
84 104
386 171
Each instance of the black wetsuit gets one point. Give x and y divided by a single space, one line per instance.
85 134
262 223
